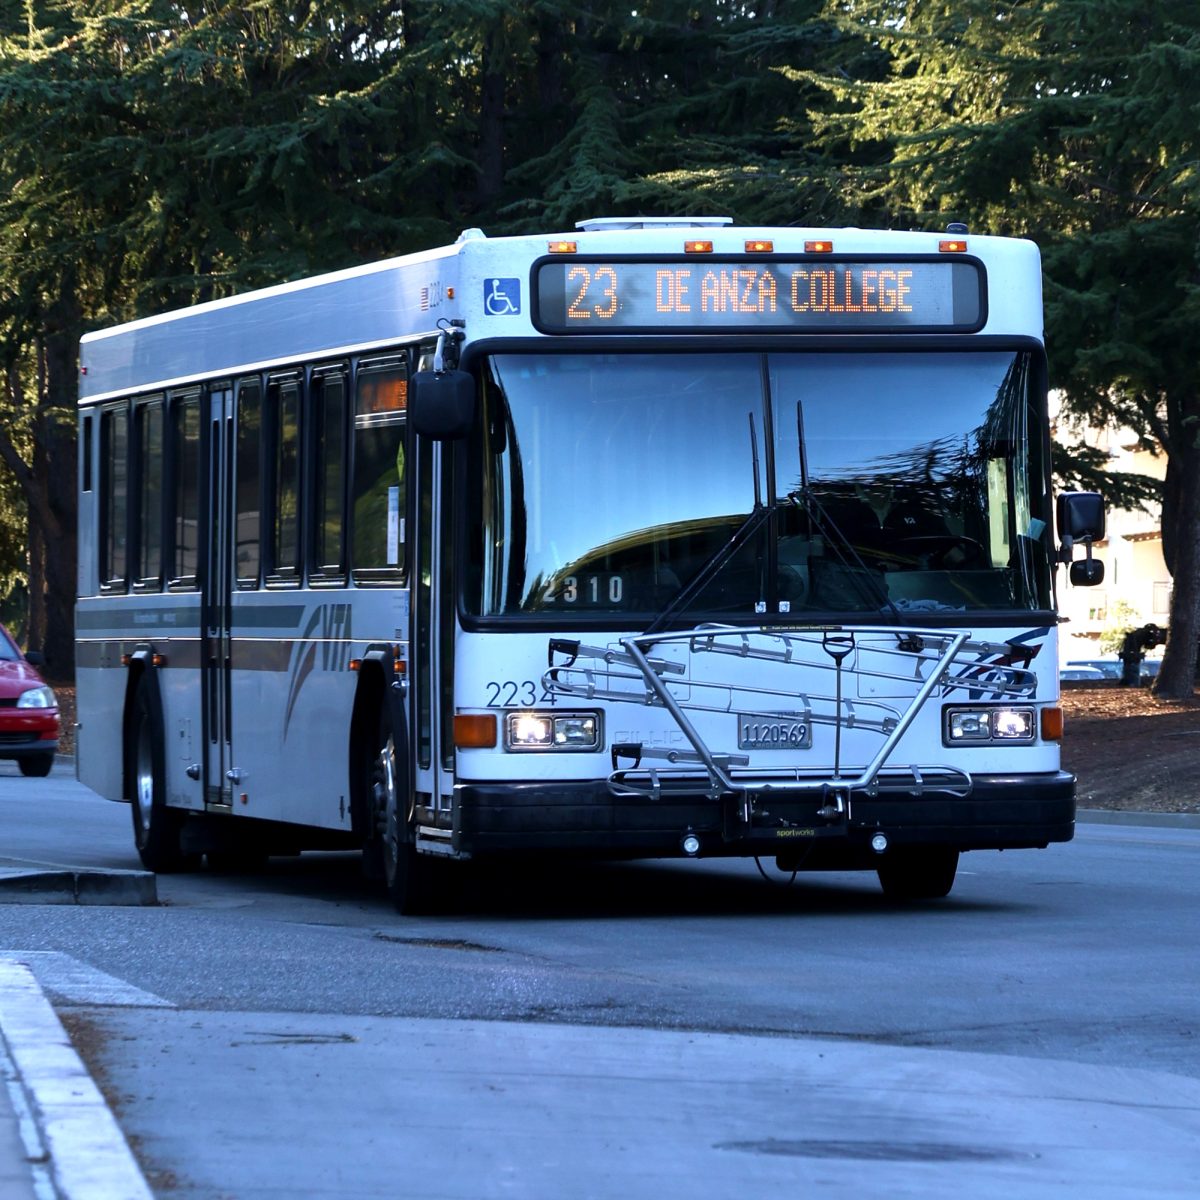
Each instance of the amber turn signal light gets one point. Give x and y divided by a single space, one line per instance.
1052 724
473 731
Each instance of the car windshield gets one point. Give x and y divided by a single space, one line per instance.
731 485
8 648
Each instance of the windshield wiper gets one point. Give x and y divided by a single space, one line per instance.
712 567
828 528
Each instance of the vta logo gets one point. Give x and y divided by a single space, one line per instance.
326 633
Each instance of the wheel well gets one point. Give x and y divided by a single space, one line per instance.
133 680
364 732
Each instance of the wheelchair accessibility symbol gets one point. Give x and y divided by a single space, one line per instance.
502 297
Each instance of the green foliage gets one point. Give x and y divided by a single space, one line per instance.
155 154
1122 617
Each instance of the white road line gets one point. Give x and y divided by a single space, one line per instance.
68 981
89 1156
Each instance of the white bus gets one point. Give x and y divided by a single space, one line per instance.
658 538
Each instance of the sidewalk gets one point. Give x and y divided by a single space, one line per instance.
58 1139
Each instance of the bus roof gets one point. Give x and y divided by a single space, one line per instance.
381 304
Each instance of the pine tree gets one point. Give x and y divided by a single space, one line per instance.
1074 122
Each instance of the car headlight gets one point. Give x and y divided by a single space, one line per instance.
526 730
989 726
38 697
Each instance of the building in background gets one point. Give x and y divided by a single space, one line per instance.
1137 586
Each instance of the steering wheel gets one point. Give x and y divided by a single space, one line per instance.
941 551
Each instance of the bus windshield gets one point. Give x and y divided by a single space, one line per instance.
733 486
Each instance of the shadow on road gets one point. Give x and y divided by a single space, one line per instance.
536 889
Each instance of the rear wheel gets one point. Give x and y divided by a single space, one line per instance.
918 873
37 765
156 828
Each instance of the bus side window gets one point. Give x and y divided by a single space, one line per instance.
377 494
114 497
248 476
148 513
327 397
283 406
185 457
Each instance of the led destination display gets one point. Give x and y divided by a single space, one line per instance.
798 295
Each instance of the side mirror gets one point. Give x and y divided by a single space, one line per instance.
35 658
1080 516
442 404
1081 519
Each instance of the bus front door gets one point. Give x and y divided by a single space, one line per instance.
433 636
215 603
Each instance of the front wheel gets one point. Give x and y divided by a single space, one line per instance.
918 873
156 828
413 882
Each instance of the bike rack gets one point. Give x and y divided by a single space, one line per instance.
681 673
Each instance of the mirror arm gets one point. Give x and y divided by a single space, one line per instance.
445 354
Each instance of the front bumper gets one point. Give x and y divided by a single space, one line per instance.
1001 813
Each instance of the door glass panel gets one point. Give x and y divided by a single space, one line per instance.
248 474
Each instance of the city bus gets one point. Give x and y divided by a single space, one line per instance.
656 538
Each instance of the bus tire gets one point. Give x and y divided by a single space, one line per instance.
411 879
918 872
156 828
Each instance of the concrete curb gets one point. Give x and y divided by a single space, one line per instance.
48 883
1161 820
88 1156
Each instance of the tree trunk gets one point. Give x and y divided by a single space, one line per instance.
51 487
491 122
1176 677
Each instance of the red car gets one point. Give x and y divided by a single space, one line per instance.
28 711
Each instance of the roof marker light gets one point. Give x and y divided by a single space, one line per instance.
563 247
952 246
818 247
697 247
759 246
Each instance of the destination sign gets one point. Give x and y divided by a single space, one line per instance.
784 296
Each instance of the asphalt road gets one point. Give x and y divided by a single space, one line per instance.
647 1029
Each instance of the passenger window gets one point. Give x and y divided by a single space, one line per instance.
114 497
283 404
185 437
378 490
327 394
148 432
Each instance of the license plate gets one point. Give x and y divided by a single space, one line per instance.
764 733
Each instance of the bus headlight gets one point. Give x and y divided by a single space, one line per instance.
579 731
989 725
